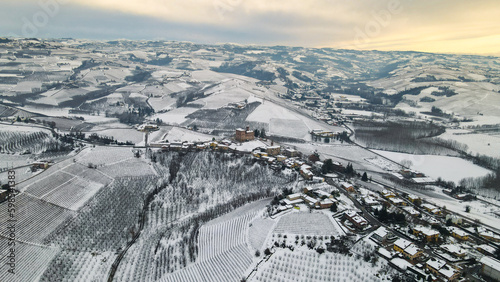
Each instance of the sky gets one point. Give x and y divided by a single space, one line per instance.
438 26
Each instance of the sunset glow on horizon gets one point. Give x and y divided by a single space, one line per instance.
466 27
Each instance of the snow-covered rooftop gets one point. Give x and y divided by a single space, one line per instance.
491 262
426 231
381 231
402 243
436 263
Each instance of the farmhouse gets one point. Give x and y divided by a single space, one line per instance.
310 200
280 158
356 219
411 211
273 150
338 166
407 248
289 202
454 250
397 201
439 267
347 186
223 147
370 201
243 135
325 204
397 175
41 164
317 179
305 171
490 236
148 127
293 197
458 233
413 198
430 235
291 153
423 180
380 235
388 194
432 209
465 197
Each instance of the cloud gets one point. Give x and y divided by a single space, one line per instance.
423 25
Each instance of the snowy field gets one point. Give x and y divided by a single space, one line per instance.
176 116
86 266
103 155
207 75
284 122
305 265
478 143
448 168
132 167
247 146
121 135
69 187
342 152
230 233
268 110
162 103
258 232
305 223
9 160
36 219
223 251
229 91
182 134
31 261
484 212
383 163
159 135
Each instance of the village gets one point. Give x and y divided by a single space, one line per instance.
414 236
417 238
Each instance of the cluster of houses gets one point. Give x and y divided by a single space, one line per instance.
186 146
444 262
414 176
317 199
273 155
415 260
439 265
355 219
